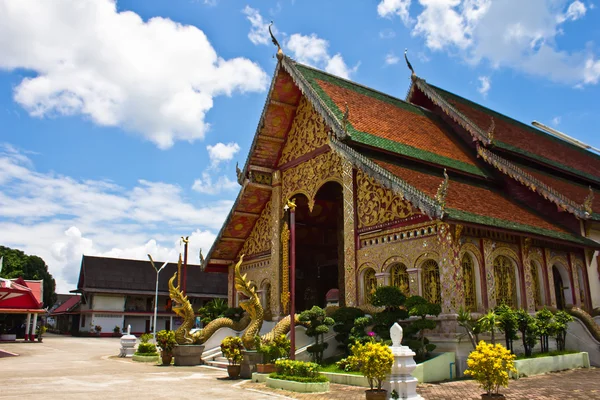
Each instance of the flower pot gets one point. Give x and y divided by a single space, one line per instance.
166 357
374 394
265 368
492 396
234 371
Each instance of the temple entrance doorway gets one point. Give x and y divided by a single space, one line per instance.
562 289
319 247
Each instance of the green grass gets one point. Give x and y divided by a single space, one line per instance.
549 354
334 369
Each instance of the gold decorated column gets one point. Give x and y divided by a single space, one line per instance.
349 235
275 266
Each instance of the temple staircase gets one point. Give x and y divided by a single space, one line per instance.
584 335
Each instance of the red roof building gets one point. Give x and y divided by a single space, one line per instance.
20 296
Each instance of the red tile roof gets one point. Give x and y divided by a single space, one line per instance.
515 136
470 198
67 305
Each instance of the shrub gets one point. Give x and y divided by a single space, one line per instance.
146 337
559 328
358 332
528 328
489 365
301 379
373 360
543 319
166 340
300 369
232 347
344 318
98 329
234 313
116 330
279 347
212 310
507 322
318 325
146 349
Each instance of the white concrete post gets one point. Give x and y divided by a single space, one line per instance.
401 380
27 326
32 336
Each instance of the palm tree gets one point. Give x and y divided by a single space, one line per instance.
488 323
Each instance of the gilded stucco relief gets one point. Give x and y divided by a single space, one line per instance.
308 177
259 240
529 286
308 132
378 205
349 243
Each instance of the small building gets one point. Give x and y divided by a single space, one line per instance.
118 292
20 305
64 318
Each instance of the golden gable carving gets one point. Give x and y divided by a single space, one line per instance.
259 239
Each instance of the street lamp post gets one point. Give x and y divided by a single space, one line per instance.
156 293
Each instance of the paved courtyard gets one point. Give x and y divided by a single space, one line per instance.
82 368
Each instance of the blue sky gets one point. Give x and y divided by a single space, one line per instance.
121 123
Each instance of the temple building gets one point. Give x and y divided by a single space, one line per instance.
435 194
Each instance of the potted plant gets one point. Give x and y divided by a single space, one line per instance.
374 361
40 332
166 341
117 331
232 347
97 329
271 350
490 365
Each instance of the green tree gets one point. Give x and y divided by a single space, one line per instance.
466 320
18 264
417 306
528 328
344 318
507 322
560 326
543 320
392 300
318 326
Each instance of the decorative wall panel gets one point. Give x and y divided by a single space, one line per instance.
259 240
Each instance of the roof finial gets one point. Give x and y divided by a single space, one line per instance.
491 129
588 202
345 119
408 63
240 175
276 43
440 196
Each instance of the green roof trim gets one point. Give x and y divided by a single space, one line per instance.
500 223
530 129
369 139
545 160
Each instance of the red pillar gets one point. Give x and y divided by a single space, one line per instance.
293 283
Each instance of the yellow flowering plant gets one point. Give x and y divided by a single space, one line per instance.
373 360
490 365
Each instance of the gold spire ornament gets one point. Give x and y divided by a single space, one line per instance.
276 43
490 131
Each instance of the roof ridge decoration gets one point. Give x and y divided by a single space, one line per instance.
535 184
408 64
587 203
490 131
276 43
442 191
456 115
417 198
345 118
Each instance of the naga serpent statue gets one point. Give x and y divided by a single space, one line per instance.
252 319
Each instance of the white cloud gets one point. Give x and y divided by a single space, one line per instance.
222 152
60 218
313 50
389 8
155 78
485 85
387 34
391 58
259 30
556 120
207 186
575 11
509 33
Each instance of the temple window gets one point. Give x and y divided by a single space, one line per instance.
468 270
506 285
369 284
431 282
399 278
